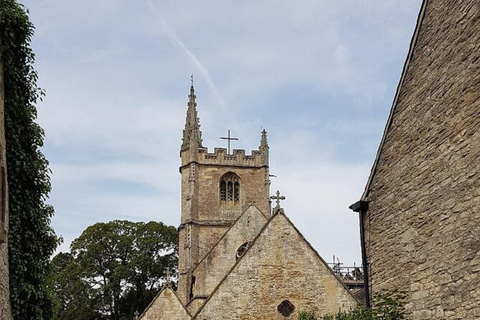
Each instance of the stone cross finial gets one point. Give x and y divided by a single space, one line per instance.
229 139
167 277
167 274
277 197
136 314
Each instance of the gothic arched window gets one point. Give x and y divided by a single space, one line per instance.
229 189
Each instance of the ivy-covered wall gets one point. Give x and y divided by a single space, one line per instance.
31 240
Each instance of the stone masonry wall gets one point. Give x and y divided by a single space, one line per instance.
280 265
252 189
223 256
5 312
165 306
204 219
423 223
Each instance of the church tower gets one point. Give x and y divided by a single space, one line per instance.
216 189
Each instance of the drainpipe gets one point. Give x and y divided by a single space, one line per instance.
362 207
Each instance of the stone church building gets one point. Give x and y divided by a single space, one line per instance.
421 205
237 258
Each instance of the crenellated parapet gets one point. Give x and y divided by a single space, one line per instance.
217 187
220 157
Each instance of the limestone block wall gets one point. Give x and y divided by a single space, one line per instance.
195 304
223 256
205 219
207 188
202 239
202 207
280 265
5 311
423 222
166 306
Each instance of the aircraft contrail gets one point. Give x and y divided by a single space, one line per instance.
176 41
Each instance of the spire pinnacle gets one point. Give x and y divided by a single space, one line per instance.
264 146
263 140
192 136
192 96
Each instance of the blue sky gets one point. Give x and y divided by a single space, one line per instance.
319 76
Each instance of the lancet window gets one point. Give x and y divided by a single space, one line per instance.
229 189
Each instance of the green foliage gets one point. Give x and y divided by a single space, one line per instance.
31 239
113 269
359 313
304 315
387 305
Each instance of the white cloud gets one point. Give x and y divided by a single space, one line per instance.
318 75
318 196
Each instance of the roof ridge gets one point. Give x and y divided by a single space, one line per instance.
276 214
406 65
158 295
225 234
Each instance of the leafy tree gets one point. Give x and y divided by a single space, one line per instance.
113 269
31 239
68 290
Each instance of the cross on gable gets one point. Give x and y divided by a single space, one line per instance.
277 197
229 139
167 276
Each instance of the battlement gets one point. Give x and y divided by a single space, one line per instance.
221 157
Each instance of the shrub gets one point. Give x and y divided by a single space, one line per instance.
387 305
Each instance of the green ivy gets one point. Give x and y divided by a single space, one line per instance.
387 305
31 239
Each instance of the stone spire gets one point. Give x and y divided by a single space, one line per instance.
192 136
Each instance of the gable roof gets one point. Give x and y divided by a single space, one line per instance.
406 65
218 261
166 305
291 236
225 235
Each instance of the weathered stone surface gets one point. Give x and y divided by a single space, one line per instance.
165 306
5 311
218 262
236 261
423 222
279 266
205 217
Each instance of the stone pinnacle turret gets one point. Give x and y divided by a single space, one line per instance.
264 146
263 140
192 136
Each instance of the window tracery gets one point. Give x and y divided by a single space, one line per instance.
286 308
241 250
229 189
